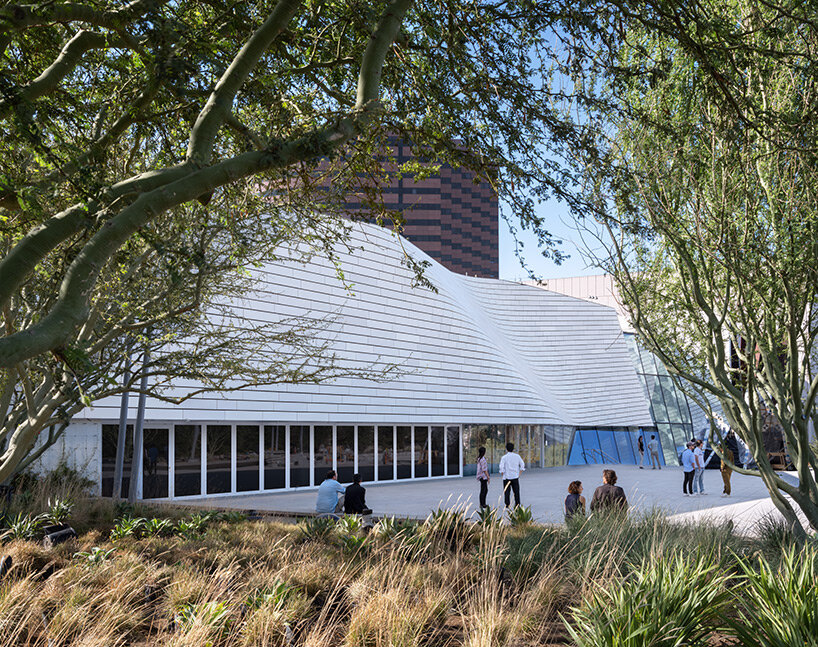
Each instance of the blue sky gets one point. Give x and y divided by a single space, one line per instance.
561 226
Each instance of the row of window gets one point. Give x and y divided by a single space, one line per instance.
254 458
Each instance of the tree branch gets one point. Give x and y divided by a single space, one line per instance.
220 103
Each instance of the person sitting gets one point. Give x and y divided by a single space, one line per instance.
609 496
574 502
328 503
355 498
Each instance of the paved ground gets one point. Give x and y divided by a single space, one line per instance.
544 491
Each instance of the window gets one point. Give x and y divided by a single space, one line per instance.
345 453
299 455
247 458
322 461
218 459
438 466
366 453
187 460
386 454
155 468
452 451
403 452
275 465
110 435
421 452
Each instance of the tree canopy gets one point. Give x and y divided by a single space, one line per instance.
703 174
133 132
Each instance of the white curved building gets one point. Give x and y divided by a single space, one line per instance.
482 361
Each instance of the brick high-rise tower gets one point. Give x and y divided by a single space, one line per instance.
449 216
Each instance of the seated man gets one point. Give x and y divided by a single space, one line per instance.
609 496
328 502
355 498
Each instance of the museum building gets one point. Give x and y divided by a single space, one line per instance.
480 362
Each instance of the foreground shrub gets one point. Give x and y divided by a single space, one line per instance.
779 608
668 602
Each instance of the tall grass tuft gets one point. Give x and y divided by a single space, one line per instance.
668 602
779 607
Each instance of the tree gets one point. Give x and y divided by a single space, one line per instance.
118 117
166 300
703 173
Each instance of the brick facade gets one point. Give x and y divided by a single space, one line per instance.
449 216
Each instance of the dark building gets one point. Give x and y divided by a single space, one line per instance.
449 216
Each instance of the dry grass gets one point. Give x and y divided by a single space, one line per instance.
245 583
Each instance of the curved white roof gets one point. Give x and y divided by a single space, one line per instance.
477 351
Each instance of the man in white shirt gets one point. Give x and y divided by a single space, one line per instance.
653 448
511 464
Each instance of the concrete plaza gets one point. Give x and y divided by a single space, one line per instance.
543 490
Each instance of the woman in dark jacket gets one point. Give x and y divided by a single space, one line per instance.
574 502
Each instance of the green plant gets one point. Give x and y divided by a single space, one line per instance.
353 544
487 517
157 528
23 526
667 602
96 555
386 529
317 528
451 527
275 596
59 510
778 608
350 524
231 516
521 516
214 615
127 527
775 536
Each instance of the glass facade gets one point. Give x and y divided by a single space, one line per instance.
669 406
253 458
530 441
609 445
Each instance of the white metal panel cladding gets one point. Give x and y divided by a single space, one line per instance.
477 350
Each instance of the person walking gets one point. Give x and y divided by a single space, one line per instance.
609 496
483 475
574 502
689 468
511 465
653 448
698 461
726 470
640 445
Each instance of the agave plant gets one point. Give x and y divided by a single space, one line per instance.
488 518
157 528
317 528
127 527
96 555
59 510
521 516
275 596
386 529
214 615
350 524
23 526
